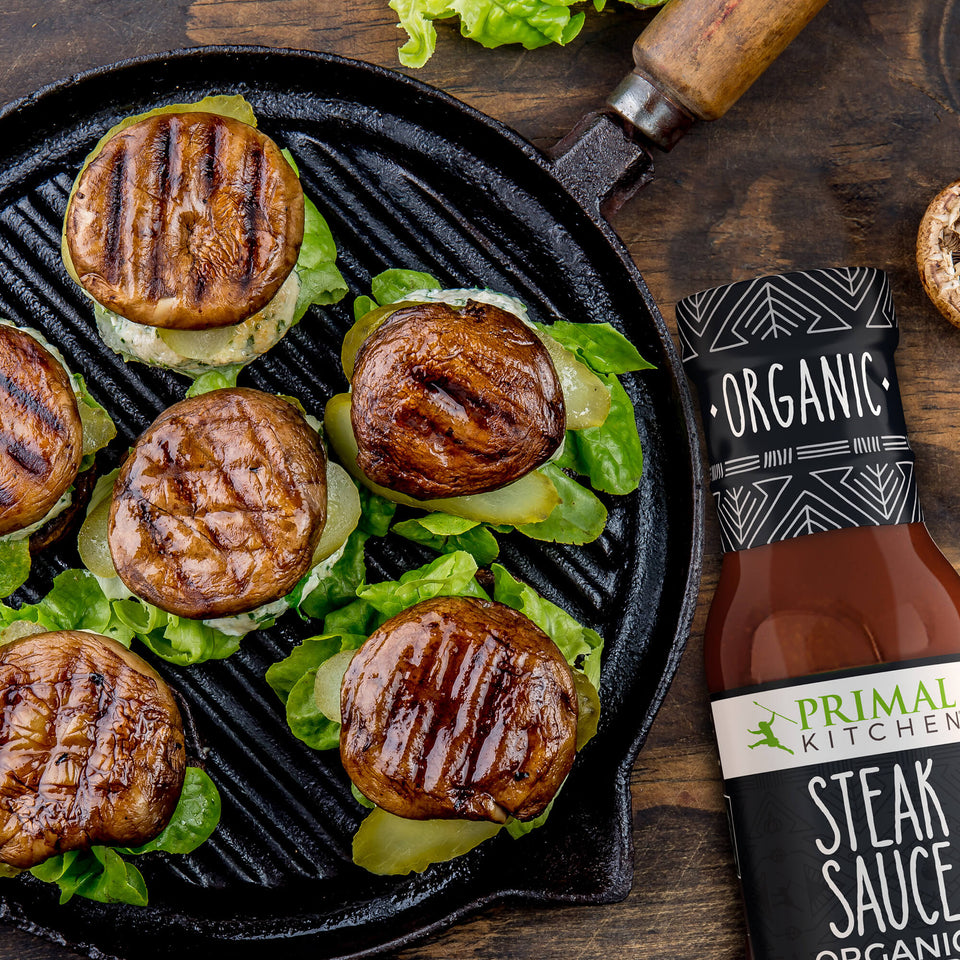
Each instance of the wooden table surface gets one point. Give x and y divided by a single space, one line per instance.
829 160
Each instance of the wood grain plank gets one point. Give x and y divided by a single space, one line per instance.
829 159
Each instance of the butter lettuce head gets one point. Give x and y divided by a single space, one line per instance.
492 23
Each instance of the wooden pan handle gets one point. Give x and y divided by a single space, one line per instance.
699 56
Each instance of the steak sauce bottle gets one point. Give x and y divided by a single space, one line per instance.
833 641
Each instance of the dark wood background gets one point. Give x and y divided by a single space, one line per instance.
829 160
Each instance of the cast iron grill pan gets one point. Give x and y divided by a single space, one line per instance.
406 176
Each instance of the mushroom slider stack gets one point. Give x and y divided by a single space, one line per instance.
460 404
185 226
224 504
92 766
457 708
50 431
92 748
220 505
449 402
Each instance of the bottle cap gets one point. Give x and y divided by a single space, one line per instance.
800 404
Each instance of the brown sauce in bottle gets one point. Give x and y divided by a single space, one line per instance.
832 646
846 598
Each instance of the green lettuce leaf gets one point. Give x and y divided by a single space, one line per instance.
195 817
99 873
320 280
531 23
598 345
416 18
175 639
362 306
446 533
14 565
611 454
376 512
75 602
394 285
358 617
450 575
337 587
292 679
304 718
217 379
580 646
579 517
102 873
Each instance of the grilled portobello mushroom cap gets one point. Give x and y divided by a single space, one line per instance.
220 504
41 436
91 747
459 708
448 402
186 221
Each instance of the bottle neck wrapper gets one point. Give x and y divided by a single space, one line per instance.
800 404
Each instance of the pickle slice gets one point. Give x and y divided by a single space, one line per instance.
98 428
362 329
93 543
528 500
198 344
343 512
389 845
585 396
326 686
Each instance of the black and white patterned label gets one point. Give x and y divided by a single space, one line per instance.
800 402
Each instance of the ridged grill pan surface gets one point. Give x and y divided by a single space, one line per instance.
406 176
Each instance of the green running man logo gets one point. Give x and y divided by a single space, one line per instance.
765 731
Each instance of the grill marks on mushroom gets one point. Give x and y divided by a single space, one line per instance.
449 402
91 747
41 436
186 221
459 708
220 505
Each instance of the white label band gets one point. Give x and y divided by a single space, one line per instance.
854 716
